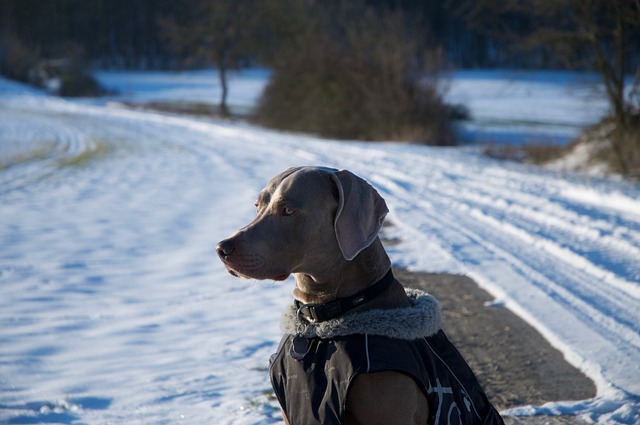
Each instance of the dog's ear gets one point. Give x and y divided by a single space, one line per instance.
361 211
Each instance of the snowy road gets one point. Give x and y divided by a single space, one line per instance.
114 309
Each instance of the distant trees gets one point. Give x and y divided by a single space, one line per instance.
130 34
70 36
105 33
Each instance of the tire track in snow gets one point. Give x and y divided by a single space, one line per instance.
504 241
35 144
561 225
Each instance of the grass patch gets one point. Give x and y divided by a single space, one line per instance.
48 151
528 153
100 150
267 404
267 396
189 108
38 154
609 146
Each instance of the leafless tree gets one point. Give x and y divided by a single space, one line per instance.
214 32
603 35
608 31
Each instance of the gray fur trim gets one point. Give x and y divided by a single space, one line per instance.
422 319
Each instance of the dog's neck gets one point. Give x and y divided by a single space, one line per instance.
346 278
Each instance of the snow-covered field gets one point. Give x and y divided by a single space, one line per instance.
114 308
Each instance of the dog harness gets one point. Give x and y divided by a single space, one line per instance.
312 387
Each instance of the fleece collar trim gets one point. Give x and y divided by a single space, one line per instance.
422 319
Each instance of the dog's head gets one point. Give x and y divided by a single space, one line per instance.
308 218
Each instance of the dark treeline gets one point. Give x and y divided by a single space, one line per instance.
108 33
129 33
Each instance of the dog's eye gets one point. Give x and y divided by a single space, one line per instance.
287 211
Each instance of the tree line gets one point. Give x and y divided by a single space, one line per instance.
130 33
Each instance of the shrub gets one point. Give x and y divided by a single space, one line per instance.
362 78
75 83
610 146
625 144
16 59
65 76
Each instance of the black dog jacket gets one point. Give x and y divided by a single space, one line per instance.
314 389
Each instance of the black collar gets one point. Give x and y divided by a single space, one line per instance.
323 312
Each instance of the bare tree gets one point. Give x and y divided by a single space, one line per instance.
608 34
603 35
214 32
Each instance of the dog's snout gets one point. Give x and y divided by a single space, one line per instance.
225 248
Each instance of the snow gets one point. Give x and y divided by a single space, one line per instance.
115 309
194 86
527 107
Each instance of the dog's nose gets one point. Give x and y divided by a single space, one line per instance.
225 248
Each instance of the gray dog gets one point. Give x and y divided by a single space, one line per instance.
358 347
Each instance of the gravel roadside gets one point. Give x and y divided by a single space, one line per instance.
514 363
